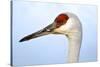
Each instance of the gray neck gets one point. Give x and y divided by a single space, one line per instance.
74 47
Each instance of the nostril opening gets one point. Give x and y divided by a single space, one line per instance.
48 30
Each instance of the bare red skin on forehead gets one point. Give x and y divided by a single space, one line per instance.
61 20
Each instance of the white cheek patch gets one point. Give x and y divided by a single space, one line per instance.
67 27
72 25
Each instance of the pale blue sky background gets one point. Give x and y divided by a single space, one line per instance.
29 17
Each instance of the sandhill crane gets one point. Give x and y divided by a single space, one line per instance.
67 24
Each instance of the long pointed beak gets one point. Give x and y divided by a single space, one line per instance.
45 31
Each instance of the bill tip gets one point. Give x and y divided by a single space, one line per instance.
21 40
